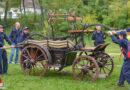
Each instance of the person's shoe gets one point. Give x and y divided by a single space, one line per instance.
120 84
4 74
10 63
17 63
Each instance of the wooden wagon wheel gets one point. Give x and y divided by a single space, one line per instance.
85 68
105 63
33 60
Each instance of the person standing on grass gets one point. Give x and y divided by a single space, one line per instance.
98 36
124 44
14 37
3 53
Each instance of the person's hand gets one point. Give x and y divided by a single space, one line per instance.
114 32
110 32
4 47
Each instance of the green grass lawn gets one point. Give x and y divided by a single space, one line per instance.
16 80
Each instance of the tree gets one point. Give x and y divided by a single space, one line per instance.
24 7
34 10
42 12
6 11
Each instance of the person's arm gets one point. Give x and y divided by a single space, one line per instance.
116 35
94 36
117 41
10 35
1 44
7 39
104 35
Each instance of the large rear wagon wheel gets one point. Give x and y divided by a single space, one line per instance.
33 60
85 68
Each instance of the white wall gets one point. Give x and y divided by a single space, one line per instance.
13 12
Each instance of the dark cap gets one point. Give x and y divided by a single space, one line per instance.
128 29
1 26
25 28
123 33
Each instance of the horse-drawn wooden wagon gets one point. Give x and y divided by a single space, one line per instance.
38 56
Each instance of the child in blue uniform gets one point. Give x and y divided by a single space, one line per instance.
124 44
3 53
24 34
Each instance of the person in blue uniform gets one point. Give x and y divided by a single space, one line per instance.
14 37
98 36
124 44
24 34
3 53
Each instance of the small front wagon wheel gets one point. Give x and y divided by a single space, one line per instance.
85 68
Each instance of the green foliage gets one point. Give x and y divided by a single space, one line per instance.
113 13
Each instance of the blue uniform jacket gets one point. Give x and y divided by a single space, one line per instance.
98 37
2 38
14 35
124 44
23 36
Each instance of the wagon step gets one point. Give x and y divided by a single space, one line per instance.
102 75
54 66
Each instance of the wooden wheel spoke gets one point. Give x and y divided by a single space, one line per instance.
107 68
25 56
108 64
104 70
25 61
36 53
40 59
77 68
100 70
30 70
80 64
28 53
81 74
37 69
43 66
83 62
33 70
39 56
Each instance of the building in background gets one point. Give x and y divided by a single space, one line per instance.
15 12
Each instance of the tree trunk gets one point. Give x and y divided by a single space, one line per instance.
24 7
20 7
42 13
0 19
6 12
34 10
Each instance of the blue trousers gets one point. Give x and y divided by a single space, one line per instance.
3 61
125 72
12 54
